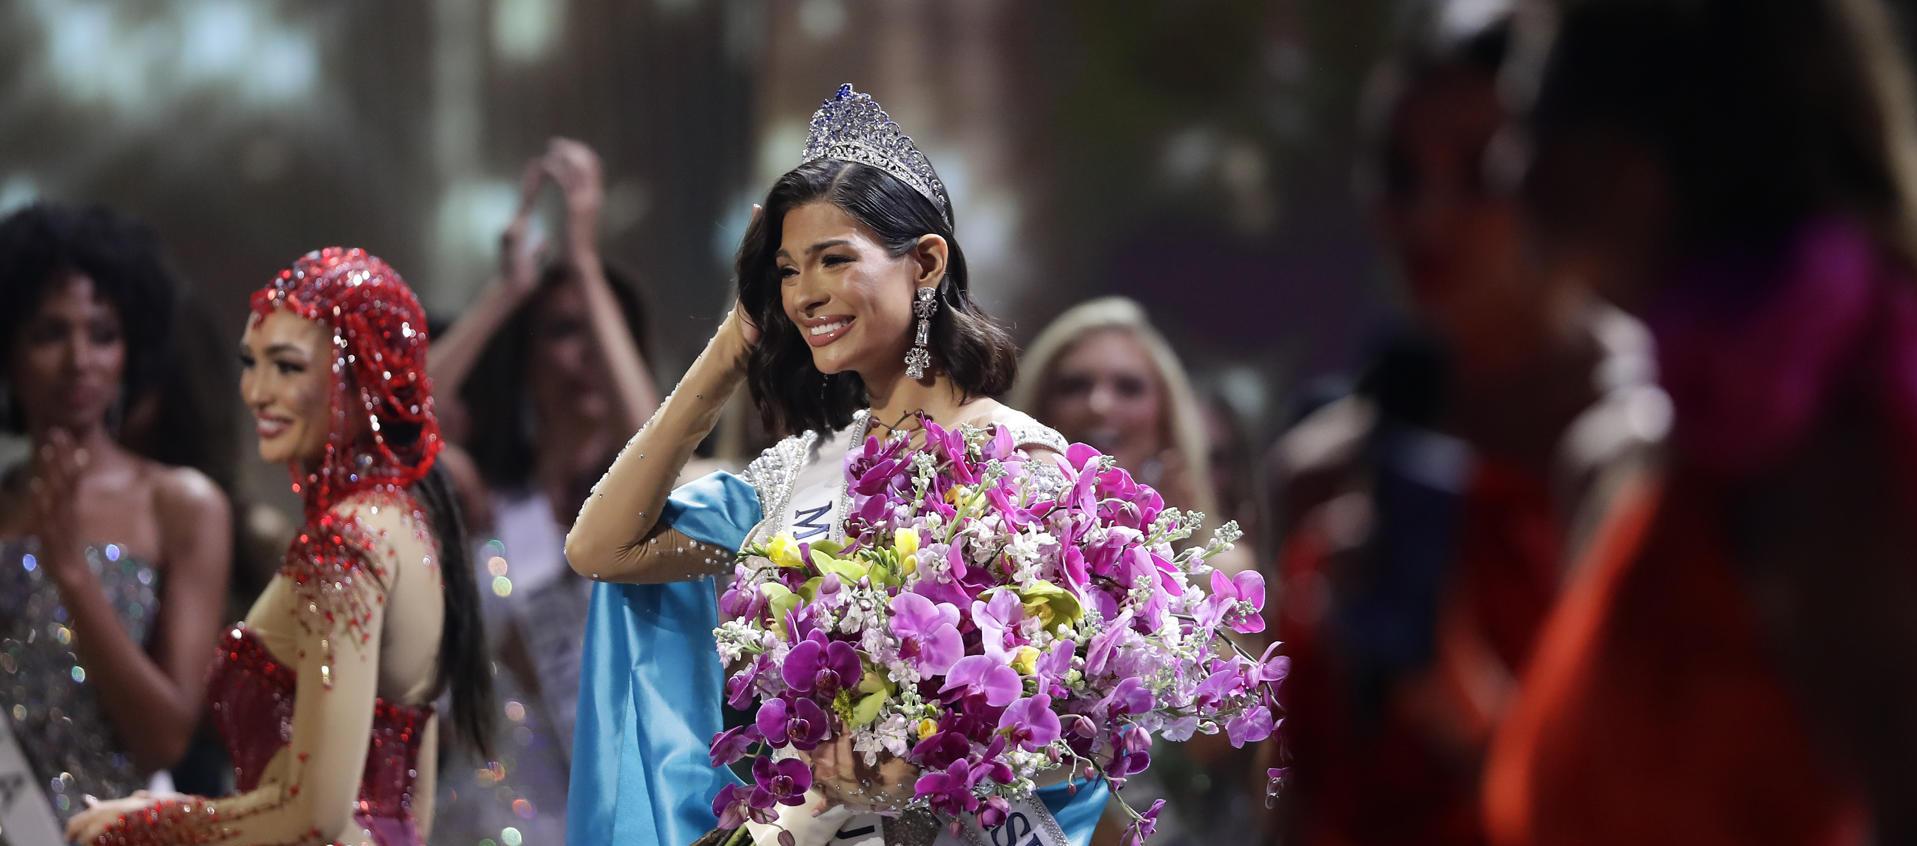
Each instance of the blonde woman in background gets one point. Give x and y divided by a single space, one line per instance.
1101 374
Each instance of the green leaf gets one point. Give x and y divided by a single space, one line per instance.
868 708
850 571
781 601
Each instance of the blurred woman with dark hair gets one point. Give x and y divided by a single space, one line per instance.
113 563
1734 663
549 367
1427 517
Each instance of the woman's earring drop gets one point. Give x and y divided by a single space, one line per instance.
918 359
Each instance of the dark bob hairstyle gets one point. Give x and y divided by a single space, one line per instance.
792 395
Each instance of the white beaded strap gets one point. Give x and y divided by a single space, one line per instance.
1028 433
773 475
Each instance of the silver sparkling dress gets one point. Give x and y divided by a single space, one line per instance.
44 690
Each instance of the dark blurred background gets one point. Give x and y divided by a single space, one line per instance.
1196 157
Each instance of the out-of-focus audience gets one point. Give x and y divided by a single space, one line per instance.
548 368
1429 517
1736 660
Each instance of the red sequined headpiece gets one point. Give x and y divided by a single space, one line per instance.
383 433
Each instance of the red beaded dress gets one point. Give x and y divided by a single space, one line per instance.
322 694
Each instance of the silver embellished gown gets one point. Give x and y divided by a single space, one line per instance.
50 704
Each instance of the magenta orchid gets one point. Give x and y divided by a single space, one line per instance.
928 633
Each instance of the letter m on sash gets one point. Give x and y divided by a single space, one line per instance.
809 523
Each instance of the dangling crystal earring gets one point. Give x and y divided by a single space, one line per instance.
919 358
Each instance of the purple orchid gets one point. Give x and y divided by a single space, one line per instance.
980 675
1131 752
1099 653
1219 686
1272 668
1250 727
821 665
1145 826
1029 723
733 806
991 765
732 744
742 601
997 623
928 633
994 813
1072 564
943 592
1180 729
949 790
1131 696
800 723
740 690
941 749
782 782
1237 601
1053 667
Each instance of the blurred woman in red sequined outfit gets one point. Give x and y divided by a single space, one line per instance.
323 693
1737 661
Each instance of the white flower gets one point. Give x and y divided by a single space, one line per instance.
735 638
889 734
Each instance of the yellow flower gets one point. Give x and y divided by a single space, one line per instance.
906 541
784 551
927 728
1025 661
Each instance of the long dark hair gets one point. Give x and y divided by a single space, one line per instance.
792 395
464 668
501 440
1761 113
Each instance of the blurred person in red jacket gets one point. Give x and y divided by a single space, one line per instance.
1428 515
1736 662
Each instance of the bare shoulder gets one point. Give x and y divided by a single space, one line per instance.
384 526
186 495
195 519
1028 433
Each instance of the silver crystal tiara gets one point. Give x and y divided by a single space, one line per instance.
851 127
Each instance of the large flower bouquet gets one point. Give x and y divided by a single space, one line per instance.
987 618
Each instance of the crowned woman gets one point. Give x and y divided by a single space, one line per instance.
854 318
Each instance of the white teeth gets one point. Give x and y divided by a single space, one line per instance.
828 328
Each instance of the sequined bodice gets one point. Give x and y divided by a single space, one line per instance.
51 705
251 697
